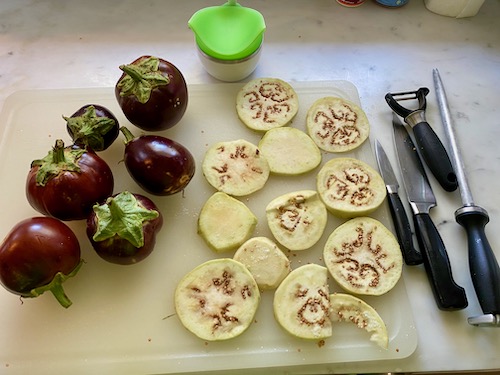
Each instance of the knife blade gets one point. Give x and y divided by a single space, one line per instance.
447 293
484 269
411 255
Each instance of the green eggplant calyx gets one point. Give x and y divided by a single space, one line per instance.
141 79
89 129
55 286
60 159
123 216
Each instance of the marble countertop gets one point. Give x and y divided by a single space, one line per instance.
78 44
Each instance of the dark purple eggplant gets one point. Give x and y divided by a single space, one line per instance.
123 229
93 126
152 93
67 182
38 255
159 165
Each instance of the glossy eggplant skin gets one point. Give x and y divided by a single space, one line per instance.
70 195
94 136
159 165
119 250
167 102
34 252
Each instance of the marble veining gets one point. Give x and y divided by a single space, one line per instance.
53 44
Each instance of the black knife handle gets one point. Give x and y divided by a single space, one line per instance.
435 155
411 255
483 265
448 295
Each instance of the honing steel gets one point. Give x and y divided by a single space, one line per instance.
448 295
430 147
484 269
411 255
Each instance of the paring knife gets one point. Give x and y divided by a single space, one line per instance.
411 255
448 295
484 269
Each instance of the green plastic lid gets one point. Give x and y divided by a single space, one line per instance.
229 31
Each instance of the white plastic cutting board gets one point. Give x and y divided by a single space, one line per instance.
122 320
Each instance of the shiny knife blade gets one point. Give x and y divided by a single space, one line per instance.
448 294
411 255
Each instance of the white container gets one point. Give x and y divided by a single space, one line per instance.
454 8
229 70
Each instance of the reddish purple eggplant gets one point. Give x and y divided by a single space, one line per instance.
159 165
123 229
67 182
93 126
152 93
38 255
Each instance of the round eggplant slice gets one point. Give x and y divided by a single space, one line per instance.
337 125
236 167
265 261
350 187
297 219
289 151
266 103
225 223
217 300
363 257
302 303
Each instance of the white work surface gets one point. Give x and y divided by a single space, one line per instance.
53 44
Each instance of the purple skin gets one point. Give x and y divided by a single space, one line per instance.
166 104
157 164
119 250
97 132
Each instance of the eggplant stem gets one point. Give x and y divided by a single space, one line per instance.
58 152
127 134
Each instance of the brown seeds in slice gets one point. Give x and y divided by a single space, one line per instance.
217 300
266 103
337 125
297 219
235 167
302 303
350 309
350 187
363 257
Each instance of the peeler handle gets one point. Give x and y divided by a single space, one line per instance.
435 155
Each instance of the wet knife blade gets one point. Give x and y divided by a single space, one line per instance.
447 293
411 255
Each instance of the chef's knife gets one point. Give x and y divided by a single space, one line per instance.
448 295
411 255
483 265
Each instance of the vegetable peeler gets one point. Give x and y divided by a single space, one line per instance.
429 146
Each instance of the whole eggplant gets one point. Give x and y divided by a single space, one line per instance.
123 229
152 93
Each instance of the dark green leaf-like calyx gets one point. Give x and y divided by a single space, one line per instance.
141 79
57 161
124 216
89 128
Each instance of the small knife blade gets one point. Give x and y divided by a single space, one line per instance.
447 293
411 255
